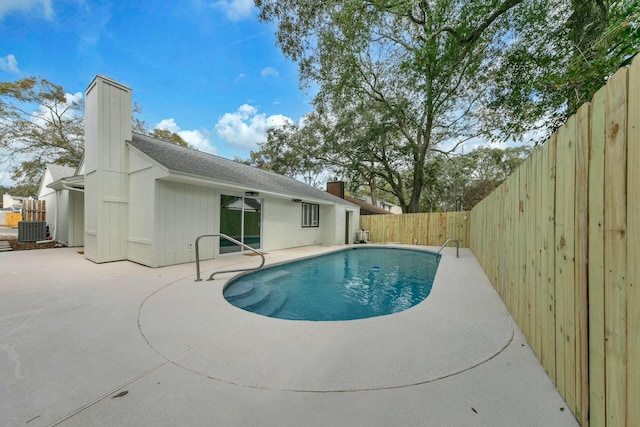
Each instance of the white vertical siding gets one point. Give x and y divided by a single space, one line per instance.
183 212
142 207
282 225
49 196
90 215
339 218
107 127
75 218
61 213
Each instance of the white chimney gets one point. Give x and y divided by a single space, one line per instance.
107 128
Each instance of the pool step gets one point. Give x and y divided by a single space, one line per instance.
239 291
261 292
271 277
257 295
272 305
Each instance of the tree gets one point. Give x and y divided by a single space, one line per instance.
552 66
39 123
459 182
167 135
288 151
410 74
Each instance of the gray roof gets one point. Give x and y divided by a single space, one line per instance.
193 162
58 172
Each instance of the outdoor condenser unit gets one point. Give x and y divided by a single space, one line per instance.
363 236
32 231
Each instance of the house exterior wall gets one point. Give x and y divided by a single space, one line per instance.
142 206
50 198
282 225
107 127
183 212
75 219
60 214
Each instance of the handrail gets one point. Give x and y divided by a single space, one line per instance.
231 239
446 243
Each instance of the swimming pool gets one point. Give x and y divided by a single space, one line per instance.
350 284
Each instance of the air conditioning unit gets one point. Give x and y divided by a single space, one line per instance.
32 231
362 236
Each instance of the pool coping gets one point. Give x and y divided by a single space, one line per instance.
460 328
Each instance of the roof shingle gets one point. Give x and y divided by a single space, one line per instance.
205 165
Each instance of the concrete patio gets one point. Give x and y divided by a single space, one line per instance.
75 336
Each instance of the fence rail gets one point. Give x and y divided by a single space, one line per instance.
560 241
430 229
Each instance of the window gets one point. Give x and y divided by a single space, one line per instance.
310 215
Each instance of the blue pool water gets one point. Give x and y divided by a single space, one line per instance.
351 284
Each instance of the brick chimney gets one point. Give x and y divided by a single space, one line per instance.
336 188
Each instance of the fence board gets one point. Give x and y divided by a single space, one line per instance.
615 248
633 243
581 261
33 210
430 229
548 256
596 262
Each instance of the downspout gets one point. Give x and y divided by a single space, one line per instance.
55 219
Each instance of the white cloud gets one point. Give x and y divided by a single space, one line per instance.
236 10
269 72
246 128
278 120
168 124
198 139
9 64
43 6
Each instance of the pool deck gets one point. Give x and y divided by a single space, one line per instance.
75 336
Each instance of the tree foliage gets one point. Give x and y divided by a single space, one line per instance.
289 151
167 135
399 79
39 123
458 183
556 61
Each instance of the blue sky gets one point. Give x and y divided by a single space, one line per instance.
208 70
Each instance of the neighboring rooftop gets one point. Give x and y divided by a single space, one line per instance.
192 162
366 208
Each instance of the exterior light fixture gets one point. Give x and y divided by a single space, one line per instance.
296 201
251 193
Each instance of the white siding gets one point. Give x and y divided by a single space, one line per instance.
61 212
107 127
183 212
76 218
282 225
49 196
142 179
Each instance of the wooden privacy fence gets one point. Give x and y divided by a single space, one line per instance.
431 229
560 241
33 210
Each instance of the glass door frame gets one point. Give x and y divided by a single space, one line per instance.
242 222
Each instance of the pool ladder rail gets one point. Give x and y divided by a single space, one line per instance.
235 270
446 243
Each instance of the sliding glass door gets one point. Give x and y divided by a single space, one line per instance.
240 218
